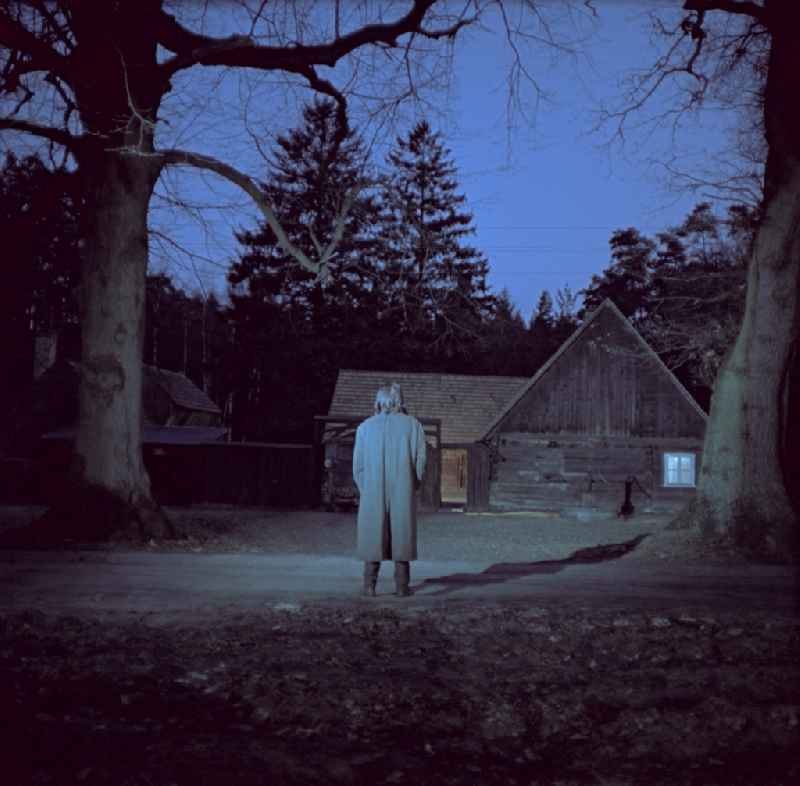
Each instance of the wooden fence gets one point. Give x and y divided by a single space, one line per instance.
233 473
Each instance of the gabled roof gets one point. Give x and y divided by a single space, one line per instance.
606 305
464 403
181 389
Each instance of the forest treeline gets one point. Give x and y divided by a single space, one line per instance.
406 290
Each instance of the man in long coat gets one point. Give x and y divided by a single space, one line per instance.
388 466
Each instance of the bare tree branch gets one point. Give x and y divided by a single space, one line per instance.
731 6
246 183
57 135
15 37
192 49
59 29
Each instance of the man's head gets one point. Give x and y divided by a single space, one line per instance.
389 399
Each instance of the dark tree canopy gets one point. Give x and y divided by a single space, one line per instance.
683 289
435 281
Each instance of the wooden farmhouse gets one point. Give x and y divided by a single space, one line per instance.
603 417
603 412
455 409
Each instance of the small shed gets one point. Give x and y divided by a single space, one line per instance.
172 399
603 417
464 405
169 398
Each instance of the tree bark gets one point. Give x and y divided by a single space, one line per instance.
741 491
109 492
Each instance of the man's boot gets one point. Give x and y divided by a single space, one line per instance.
402 575
371 570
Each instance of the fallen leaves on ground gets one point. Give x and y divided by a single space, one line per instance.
450 695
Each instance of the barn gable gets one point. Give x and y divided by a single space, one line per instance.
604 381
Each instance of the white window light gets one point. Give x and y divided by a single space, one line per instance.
679 469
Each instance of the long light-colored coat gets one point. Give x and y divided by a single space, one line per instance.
388 465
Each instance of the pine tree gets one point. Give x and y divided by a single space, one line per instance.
439 297
39 227
542 320
550 325
293 331
505 343
627 279
41 261
309 178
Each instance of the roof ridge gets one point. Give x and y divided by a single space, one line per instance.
431 374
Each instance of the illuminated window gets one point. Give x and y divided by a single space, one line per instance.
679 469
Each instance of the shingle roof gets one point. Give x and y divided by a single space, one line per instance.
466 404
178 387
181 390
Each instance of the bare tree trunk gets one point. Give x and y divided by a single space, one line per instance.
741 491
204 364
110 491
155 346
185 337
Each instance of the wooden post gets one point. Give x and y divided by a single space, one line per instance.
478 477
317 458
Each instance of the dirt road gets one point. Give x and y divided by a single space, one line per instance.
71 581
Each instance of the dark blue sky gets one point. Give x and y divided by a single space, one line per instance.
546 191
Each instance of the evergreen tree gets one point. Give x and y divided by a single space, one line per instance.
626 280
505 344
41 262
550 325
542 318
436 282
39 226
311 175
294 331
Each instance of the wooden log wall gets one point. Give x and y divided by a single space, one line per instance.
536 472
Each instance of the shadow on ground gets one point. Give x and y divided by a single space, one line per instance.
506 571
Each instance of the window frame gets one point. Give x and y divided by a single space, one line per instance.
680 454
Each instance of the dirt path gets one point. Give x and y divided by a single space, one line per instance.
193 584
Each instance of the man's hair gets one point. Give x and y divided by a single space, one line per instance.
397 396
389 399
